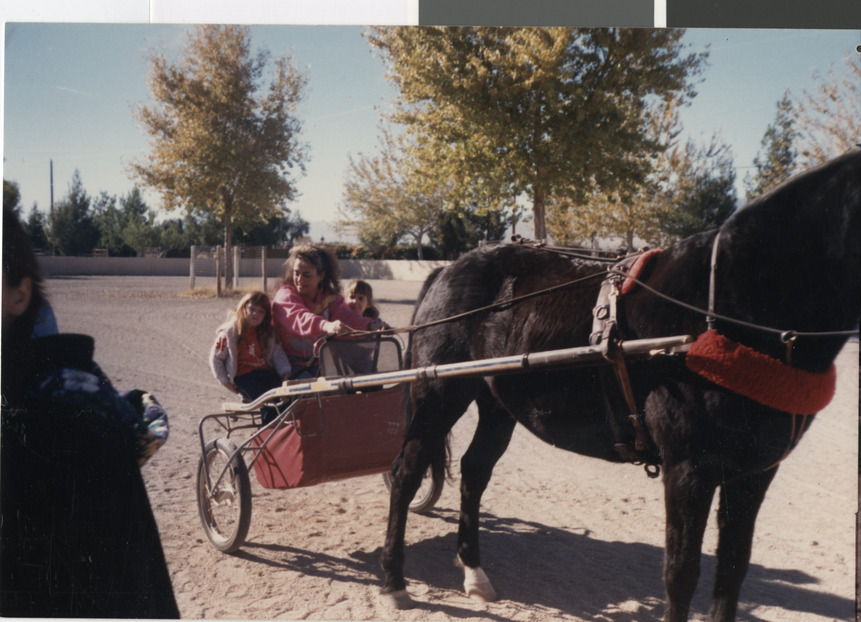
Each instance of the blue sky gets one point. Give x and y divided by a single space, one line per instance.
70 88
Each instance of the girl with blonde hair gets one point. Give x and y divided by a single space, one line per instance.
246 356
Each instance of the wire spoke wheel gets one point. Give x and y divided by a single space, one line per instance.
426 496
225 510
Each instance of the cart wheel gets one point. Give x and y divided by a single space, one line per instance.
226 512
426 496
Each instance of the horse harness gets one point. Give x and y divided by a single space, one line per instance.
607 333
714 357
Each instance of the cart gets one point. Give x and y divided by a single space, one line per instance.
348 422
304 433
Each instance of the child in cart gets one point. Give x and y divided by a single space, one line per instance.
360 298
247 357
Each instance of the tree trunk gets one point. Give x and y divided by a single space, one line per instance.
228 243
538 214
419 246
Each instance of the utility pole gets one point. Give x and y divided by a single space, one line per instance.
52 186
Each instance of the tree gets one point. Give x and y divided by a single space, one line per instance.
539 112
779 161
829 119
392 195
690 188
35 227
11 196
703 202
108 219
71 228
463 230
279 231
223 143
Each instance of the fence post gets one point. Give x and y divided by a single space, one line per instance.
218 271
191 268
263 255
236 255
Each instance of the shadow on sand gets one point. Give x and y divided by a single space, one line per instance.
532 565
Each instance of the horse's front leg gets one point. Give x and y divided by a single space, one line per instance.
687 497
739 504
492 435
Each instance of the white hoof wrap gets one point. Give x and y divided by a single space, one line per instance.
477 585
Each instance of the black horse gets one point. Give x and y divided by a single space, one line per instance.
788 260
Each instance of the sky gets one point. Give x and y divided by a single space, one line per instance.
70 90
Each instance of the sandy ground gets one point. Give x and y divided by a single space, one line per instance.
563 537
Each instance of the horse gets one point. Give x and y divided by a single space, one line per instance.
775 289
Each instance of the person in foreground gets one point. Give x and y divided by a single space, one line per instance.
77 534
309 305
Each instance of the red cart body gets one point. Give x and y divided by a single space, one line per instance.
334 438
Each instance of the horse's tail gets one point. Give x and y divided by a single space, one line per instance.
440 459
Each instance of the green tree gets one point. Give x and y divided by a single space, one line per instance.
223 142
539 112
829 118
11 196
777 159
279 231
139 228
201 229
108 219
671 202
463 230
35 227
71 228
392 195
703 202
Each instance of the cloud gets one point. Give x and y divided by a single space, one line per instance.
75 91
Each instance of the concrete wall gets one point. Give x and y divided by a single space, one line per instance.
401 270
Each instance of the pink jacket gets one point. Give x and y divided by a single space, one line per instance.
299 324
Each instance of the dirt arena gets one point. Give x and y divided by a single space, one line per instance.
563 537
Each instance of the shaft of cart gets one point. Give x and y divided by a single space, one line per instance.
567 357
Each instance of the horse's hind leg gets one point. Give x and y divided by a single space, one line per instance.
739 504
687 498
436 407
492 435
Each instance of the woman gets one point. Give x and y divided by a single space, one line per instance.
309 305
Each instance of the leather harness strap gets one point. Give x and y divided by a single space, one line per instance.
606 333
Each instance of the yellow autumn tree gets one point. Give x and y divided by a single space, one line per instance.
223 140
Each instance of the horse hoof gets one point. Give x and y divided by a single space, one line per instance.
398 599
477 585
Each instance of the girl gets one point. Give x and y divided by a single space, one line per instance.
246 356
309 305
360 298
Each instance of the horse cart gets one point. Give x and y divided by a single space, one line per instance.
347 422
304 433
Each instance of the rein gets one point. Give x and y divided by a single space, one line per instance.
787 336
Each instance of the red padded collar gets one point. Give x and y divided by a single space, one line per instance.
758 376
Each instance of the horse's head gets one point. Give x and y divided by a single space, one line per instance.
791 259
